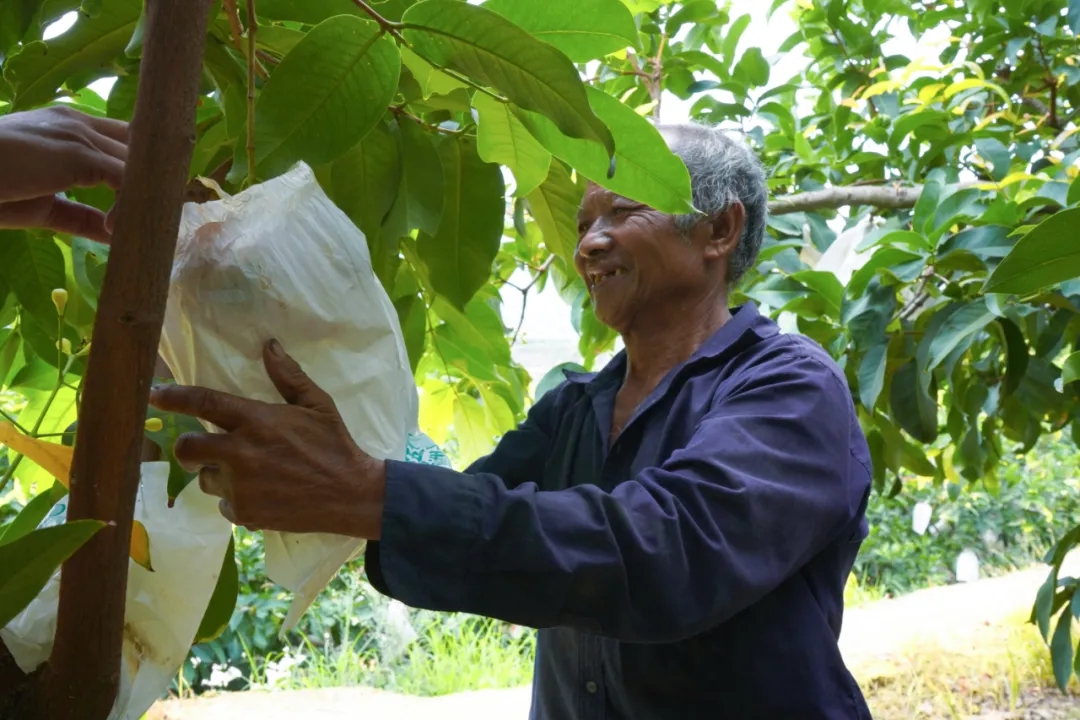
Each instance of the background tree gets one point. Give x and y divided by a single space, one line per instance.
921 224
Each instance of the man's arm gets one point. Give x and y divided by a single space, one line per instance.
764 485
518 458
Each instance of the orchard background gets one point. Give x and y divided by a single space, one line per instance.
922 161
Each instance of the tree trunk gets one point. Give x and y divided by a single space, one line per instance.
81 679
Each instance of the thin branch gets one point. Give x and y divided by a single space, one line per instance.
402 112
525 295
236 30
889 198
253 28
389 27
13 421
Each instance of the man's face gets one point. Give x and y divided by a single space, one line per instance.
635 262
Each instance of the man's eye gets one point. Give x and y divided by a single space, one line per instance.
582 228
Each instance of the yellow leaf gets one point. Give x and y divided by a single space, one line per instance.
850 102
53 458
140 545
880 88
959 87
928 93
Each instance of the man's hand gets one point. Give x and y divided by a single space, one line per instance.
52 150
291 467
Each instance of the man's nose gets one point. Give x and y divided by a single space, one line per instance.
595 242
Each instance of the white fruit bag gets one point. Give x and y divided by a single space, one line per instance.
280 260
163 608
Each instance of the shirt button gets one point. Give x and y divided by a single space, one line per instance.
591 686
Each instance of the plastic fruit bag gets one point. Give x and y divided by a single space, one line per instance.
163 608
280 260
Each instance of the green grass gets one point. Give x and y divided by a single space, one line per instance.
470 654
1006 669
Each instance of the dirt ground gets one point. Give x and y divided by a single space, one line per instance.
955 618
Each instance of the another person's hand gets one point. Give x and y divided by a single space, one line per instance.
52 150
289 467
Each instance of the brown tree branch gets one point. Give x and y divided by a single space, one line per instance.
895 197
252 63
387 26
82 676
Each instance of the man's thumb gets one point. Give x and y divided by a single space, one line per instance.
291 381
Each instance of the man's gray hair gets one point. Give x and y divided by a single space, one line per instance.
723 171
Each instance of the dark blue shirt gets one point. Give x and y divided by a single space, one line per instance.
695 569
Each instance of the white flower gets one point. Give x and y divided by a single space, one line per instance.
221 676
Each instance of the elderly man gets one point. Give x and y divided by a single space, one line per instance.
679 525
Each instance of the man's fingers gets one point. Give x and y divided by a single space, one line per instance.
110 127
109 146
204 452
224 410
74 218
92 167
292 382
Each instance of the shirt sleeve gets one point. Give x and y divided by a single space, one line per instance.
518 457
767 480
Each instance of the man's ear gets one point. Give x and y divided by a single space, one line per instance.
725 227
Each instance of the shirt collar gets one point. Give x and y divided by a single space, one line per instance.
744 319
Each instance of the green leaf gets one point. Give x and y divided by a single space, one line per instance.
173 426
492 50
34 267
31 516
16 17
364 181
1061 650
40 68
872 374
424 185
9 355
753 68
412 314
913 407
88 260
1070 369
582 30
121 103
309 12
432 80
994 152
219 610
646 169
1016 355
1074 16
460 254
554 377
824 284
503 140
472 427
964 321
278 39
324 97
1047 255
27 564
1044 601
732 37
554 205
